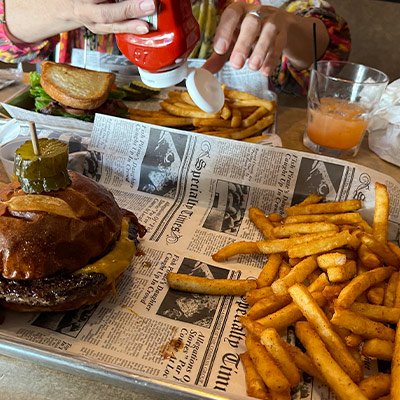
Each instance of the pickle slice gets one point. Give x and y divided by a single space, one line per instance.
143 88
134 94
45 172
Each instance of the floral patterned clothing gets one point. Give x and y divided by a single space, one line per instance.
285 78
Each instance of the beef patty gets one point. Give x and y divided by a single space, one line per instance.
51 291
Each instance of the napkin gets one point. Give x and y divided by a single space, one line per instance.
384 127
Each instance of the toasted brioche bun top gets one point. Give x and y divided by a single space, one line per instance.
42 234
75 87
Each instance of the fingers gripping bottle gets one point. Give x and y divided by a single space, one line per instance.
161 54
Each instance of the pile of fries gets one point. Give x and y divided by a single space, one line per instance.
335 279
243 116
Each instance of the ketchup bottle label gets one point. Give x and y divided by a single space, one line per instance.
150 19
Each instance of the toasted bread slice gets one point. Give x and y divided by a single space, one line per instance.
75 87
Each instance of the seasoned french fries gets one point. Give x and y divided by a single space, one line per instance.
320 322
361 325
376 386
270 373
326 265
337 379
243 115
261 221
298 274
234 249
395 385
276 347
361 283
324 208
270 270
221 287
381 213
342 273
378 348
384 314
254 383
331 260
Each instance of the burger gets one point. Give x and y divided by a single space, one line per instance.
63 249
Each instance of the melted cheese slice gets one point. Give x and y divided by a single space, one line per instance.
115 262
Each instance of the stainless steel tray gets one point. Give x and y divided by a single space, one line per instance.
153 387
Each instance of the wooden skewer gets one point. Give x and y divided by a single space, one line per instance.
35 142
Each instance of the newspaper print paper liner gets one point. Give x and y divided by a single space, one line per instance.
175 341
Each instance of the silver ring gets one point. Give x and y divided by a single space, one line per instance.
255 13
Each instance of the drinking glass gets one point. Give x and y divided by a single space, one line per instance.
341 97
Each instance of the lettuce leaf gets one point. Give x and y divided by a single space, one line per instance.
42 99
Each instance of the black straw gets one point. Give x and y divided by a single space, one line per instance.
315 44
315 59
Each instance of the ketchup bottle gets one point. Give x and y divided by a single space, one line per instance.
161 54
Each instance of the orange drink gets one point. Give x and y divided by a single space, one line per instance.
336 124
341 98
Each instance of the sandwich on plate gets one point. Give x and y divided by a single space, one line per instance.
65 90
64 240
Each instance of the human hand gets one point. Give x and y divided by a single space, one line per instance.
103 16
241 35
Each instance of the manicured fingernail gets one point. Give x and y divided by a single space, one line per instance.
255 63
266 72
237 61
147 6
141 29
220 46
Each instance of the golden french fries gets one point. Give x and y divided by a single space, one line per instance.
378 348
338 219
369 259
342 273
254 383
381 213
330 260
234 249
297 274
337 379
287 230
326 265
376 386
324 244
283 245
270 270
254 295
361 283
375 312
395 383
391 290
243 115
361 325
276 348
320 322
221 287
270 373
324 208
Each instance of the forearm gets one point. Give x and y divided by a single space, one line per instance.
36 20
300 41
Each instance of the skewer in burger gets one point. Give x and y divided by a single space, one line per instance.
64 242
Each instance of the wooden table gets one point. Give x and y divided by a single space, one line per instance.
21 380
